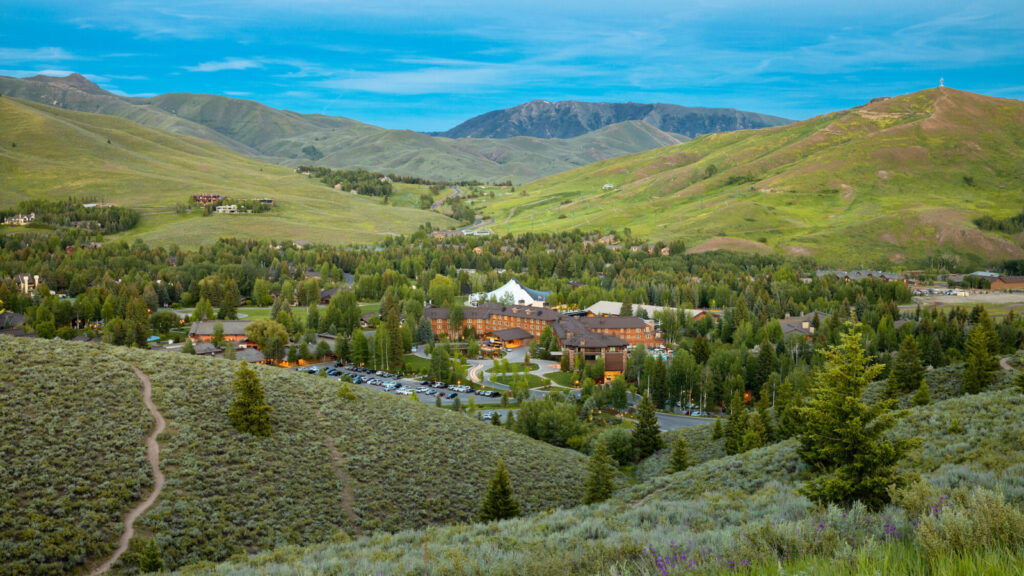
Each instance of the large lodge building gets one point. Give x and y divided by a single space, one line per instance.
583 339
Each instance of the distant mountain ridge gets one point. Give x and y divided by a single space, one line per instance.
291 138
568 119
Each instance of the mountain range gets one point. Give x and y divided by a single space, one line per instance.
543 119
557 140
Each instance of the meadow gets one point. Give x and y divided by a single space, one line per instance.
54 153
887 183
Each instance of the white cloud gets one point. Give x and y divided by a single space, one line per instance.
227 64
45 54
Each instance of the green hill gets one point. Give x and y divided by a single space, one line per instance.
74 460
733 514
52 153
895 181
292 139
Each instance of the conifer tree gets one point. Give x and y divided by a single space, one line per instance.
907 371
844 439
250 413
736 424
922 397
981 365
701 349
187 347
499 504
647 434
600 475
680 459
717 431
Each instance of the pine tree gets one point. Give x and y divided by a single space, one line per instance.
680 459
187 347
499 504
922 397
250 413
844 439
736 424
627 306
907 371
717 431
701 349
218 334
600 475
647 434
981 362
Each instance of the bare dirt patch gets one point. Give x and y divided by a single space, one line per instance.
734 244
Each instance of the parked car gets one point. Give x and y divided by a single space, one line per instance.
451 396
439 385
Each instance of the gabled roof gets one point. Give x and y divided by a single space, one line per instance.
509 334
231 327
515 291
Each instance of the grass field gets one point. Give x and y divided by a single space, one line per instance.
532 380
893 182
54 153
77 459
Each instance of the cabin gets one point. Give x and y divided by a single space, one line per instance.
1007 283
234 330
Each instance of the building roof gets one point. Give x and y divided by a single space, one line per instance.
594 340
487 309
206 348
11 319
1012 279
796 324
613 322
251 355
509 334
231 327
513 292
861 274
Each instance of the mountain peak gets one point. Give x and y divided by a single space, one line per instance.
73 80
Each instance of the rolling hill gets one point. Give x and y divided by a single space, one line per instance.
54 153
542 119
292 139
895 181
332 469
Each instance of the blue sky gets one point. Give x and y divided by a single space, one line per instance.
431 64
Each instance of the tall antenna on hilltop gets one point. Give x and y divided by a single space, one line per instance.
942 82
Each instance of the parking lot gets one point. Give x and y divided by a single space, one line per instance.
426 391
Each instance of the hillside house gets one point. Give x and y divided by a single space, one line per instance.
512 293
207 198
227 209
234 330
26 283
20 219
1007 283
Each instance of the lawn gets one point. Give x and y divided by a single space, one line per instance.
532 380
513 367
566 379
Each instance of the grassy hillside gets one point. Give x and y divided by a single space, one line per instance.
288 138
52 153
894 181
332 469
728 512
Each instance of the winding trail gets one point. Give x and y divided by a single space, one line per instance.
153 455
1004 363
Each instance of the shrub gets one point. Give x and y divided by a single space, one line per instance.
972 521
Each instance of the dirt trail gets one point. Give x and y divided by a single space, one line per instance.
153 455
1005 364
347 495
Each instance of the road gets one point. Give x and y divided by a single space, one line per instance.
677 421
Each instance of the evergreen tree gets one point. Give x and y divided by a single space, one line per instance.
680 459
844 439
617 395
907 370
187 346
787 411
756 434
981 365
922 397
229 352
250 413
600 475
218 334
393 344
736 424
701 349
341 348
627 305
647 434
360 348
767 363
323 349
717 431
229 301
499 504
